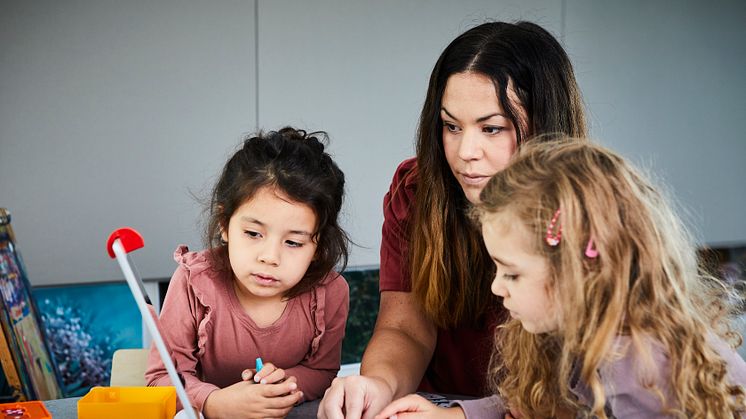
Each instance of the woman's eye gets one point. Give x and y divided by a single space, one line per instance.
252 234
293 243
493 130
450 127
509 277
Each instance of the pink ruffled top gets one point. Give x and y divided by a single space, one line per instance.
213 340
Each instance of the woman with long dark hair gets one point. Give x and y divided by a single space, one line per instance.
493 87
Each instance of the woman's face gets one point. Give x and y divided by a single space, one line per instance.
478 138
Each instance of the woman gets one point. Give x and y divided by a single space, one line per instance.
492 87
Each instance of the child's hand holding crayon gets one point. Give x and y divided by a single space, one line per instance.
262 392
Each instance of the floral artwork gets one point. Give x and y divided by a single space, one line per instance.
83 333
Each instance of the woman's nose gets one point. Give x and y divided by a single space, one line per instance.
470 147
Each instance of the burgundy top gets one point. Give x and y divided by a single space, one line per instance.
213 339
461 356
626 397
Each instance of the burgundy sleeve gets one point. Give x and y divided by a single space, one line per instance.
316 372
397 203
179 328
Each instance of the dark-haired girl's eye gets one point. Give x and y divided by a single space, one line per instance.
293 243
252 234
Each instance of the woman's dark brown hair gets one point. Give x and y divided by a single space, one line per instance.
450 267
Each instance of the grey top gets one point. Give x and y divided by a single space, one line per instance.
625 396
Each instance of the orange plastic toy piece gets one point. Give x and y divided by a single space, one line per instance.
128 402
24 410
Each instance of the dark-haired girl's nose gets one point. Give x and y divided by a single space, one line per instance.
269 255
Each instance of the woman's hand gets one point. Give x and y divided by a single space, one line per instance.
354 397
247 399
393 364
414 406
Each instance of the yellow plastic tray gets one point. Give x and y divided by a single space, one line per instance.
128 402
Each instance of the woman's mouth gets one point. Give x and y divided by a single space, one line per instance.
473 179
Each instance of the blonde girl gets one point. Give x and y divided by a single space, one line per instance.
611 315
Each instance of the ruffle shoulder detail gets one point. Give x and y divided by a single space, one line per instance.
202 288
318 308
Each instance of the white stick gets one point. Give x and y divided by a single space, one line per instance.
152 327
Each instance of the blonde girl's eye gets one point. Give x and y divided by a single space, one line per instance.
510 277
451 127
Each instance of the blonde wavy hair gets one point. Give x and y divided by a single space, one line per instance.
646 284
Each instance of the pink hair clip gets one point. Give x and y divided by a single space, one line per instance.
590 251
553 238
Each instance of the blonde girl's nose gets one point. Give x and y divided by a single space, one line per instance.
498 288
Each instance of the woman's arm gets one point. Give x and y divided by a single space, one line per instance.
403 340
402 344
393 364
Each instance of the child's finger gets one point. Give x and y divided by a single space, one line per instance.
280 390
247 374
289 399
274 377
410 403
300 396
266 370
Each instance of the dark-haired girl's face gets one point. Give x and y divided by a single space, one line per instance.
270 245
478 138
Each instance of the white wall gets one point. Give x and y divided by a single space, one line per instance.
665 83
113 113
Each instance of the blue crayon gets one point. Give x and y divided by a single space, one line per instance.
259 364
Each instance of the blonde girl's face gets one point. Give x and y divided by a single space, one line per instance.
478 138
522 275
269 245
